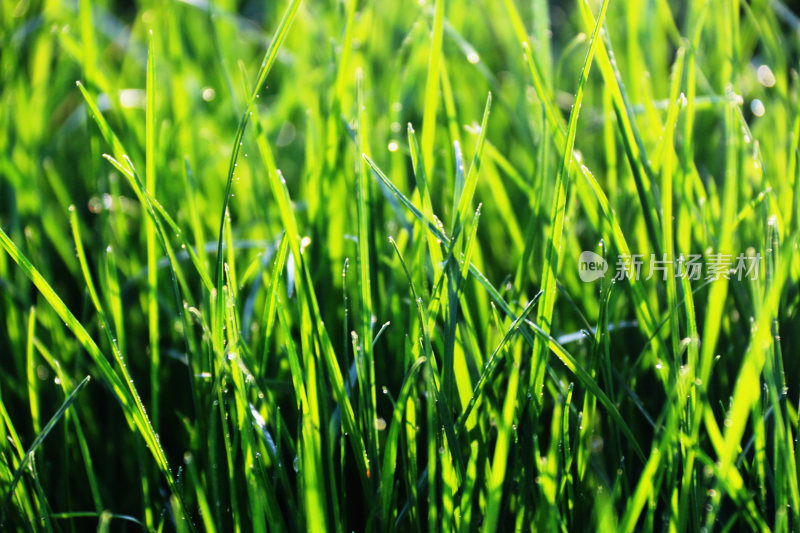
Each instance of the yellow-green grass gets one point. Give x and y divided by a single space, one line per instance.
298 314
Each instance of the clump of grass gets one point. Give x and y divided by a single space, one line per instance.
300 315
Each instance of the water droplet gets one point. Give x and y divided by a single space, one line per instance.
209 94
765 76
757 107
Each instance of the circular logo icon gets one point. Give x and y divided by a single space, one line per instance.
591 266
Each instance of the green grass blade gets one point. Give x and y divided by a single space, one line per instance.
544 313
432 89
390 446
150 236
40 438
266 66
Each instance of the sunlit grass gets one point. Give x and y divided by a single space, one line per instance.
299 314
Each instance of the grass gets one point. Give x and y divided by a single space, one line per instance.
238 292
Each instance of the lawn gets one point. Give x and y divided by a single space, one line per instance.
360 265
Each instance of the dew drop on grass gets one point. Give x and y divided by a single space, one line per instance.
757 107
209 94
765 76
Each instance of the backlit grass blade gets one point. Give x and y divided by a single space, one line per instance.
105 130
432 89
33 393
423 189
137 410
365 272
391 445
647 486
271 306
145 197
544 312
746 391
569 361
471 181
719 290
433 376
642 307
69 320
583 376
494 360
281 196
150 235
631 137
40 438
266 66
66 384
646 126
504 439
